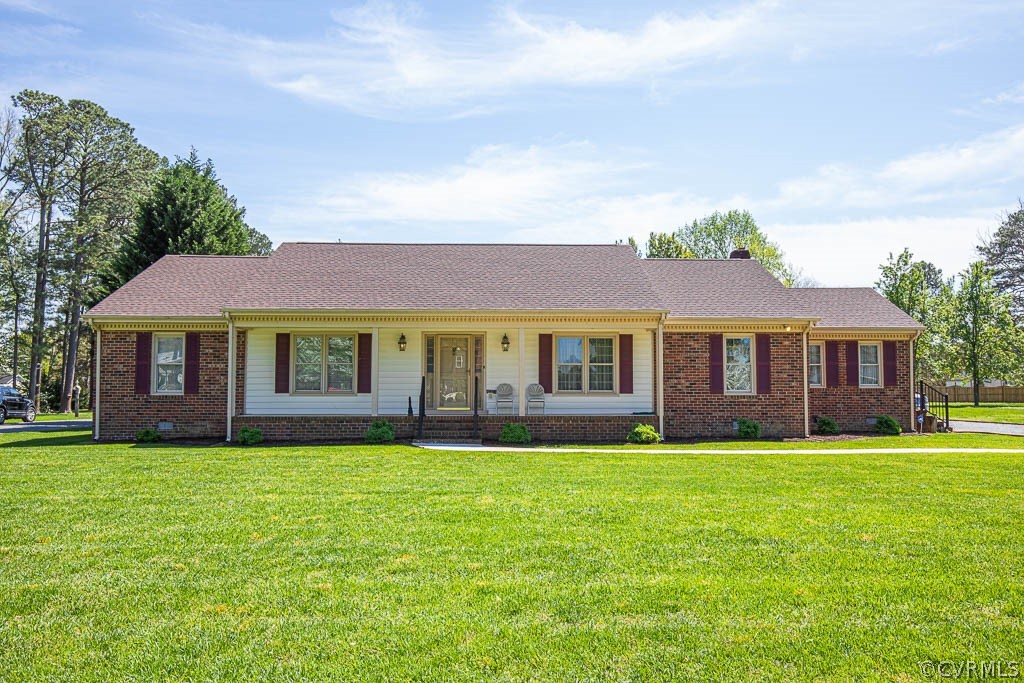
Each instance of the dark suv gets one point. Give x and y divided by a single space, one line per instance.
15 405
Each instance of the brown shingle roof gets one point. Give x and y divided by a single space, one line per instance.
181 286
318 276
723 288
306 276
858 307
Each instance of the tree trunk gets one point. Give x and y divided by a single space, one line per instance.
74 332
39 305
977 387
17 311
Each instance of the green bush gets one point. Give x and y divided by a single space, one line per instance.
826 425
642 433
381 431
250 436
513 432
748 429
148 435
886 425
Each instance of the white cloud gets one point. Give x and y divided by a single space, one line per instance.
575 193
964 169
380 60
848 252
1014 95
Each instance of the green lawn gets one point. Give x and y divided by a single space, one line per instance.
988 412
47 417
957 440
370 563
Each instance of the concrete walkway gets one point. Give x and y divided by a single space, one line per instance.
707 451
987 427
16 425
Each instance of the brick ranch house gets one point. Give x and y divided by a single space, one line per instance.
318 340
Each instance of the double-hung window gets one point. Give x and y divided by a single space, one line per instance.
739 365
324 363
585 364
870 370
815 368
168 363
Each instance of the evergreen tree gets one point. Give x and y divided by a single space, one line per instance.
188 211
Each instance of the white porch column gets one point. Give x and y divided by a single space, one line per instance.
661 378
522 371
375 370
96 391
231 376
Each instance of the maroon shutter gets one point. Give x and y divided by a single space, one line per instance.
832 364
364 373
852 364
717 365
544 362
143 361
763 349
625 364
889 361
282 361
192 363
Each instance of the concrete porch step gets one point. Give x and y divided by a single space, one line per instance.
447 442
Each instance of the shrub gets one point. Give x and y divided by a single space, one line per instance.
250 436
748 429
381 431
513 432
886 425
148 435
826 425
643 433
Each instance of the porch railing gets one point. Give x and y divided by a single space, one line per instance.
423 406
932 401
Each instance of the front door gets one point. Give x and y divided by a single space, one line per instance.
455 366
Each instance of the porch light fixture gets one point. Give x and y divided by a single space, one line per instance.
788 328
402 343
504 342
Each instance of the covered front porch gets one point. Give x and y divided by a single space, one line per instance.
326 377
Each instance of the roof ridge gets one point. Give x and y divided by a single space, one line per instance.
455 244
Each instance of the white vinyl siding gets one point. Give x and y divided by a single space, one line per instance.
398 374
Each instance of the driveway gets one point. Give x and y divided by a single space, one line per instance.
987 427
16 425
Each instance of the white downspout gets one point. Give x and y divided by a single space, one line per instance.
661 376
96 391
913 394
231 375
807 394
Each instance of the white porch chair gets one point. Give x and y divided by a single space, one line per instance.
535 400
503 397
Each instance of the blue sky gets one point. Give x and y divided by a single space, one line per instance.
848 129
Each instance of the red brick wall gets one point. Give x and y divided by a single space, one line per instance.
123 412
564 428
852 406
692 410
240 342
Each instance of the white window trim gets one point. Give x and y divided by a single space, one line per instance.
585 365
753 364
880 364
821 364
155 371
323 390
